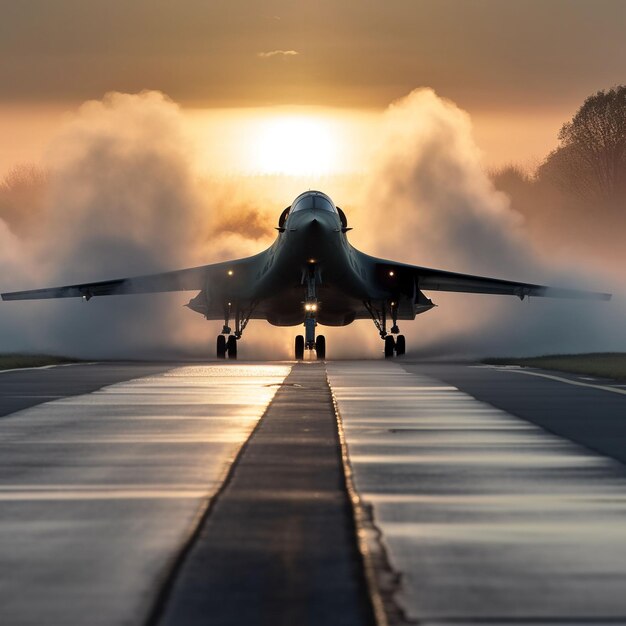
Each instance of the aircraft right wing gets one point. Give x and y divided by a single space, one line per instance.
429 279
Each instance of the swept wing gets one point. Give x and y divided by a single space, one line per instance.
194 278
430 279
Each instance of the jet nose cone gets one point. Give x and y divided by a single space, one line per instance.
313 223
309 222
316 228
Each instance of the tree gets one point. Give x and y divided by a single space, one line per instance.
590 161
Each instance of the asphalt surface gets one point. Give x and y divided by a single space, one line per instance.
20 389
483 517
581 412
278 546
187 494
98 492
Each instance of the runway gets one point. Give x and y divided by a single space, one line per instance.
340 493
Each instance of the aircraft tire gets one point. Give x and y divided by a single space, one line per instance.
400 345
231 347
299 347
320 347
390 344
221 347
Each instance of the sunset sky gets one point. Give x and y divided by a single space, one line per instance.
172 134
243 69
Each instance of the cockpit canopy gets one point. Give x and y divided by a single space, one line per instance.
313 200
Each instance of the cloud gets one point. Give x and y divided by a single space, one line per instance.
277 53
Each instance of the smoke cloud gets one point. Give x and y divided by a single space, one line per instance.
430 202
124 196
123 199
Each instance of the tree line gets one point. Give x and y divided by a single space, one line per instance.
589 163
578 192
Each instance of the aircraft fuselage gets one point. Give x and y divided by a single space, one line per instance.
312 246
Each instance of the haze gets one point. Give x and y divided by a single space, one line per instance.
173 134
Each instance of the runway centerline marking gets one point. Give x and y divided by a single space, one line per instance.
277 545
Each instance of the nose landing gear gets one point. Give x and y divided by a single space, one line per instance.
319 345
310 278
309 341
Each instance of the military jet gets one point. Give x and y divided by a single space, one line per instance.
311 275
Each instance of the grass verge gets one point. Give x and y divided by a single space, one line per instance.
601 364
14 361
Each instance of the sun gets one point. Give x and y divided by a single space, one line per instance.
295 145
309 142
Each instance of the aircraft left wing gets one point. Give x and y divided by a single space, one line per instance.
194 278
429 279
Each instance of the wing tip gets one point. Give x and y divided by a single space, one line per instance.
15 295
598 295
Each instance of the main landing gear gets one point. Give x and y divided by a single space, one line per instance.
226 347
379 317
310 277
227 343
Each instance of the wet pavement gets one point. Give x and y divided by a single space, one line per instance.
216 493
278 547
99 492
485 517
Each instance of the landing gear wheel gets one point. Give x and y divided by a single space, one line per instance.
299 348
221 347
231 346
400 345
320 347
389 346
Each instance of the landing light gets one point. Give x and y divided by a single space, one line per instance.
391 273
230 272
310 307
